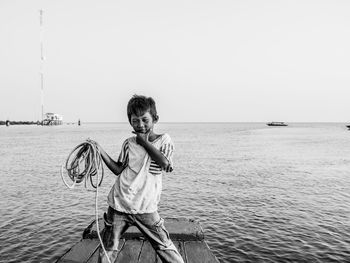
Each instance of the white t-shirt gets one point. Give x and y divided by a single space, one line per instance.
138 188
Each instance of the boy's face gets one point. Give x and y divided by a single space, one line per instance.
143 123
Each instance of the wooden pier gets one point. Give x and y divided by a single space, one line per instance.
187 235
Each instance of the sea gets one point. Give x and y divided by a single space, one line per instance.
260 193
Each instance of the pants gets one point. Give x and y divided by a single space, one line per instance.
151 225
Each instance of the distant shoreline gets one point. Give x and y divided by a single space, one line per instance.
20 122
174 122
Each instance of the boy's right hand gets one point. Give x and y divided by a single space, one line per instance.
141 138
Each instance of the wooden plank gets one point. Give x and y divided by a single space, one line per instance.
184 229
181 249
199 252
81 252
148 254
67 261
130 251
94 257
181 229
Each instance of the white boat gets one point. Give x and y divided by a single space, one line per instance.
276 123
52 119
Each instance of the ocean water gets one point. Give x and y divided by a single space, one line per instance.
261 194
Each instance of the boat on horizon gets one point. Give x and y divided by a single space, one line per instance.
276 123
52 119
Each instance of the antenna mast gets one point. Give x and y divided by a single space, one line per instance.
42 63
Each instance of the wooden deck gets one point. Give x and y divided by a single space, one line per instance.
187 235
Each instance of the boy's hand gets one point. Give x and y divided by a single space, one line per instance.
141 138
94 142
91 141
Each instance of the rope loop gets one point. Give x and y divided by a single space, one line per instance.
84 164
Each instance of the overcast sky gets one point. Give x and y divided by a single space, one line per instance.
206 61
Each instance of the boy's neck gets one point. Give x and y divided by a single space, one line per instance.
153 136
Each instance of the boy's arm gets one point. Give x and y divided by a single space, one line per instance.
115 167
155 154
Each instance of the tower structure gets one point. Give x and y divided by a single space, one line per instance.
41 13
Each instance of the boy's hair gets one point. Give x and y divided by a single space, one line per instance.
139 104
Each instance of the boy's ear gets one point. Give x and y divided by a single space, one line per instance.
156 118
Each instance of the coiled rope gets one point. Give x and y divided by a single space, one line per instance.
84 163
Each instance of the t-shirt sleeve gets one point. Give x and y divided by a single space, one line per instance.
167 149
124 153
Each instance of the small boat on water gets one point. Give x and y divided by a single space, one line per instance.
187 235
276 123
348 126
52 119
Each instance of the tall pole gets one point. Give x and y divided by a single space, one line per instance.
42 63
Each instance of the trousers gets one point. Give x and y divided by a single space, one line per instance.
151 225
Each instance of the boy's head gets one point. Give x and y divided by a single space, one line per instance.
138 105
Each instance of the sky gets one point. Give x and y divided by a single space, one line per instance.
201 60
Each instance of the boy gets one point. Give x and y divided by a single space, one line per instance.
134 198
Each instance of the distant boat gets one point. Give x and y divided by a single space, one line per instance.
276 123
52 119
348 126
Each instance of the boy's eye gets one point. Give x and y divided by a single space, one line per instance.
135 121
